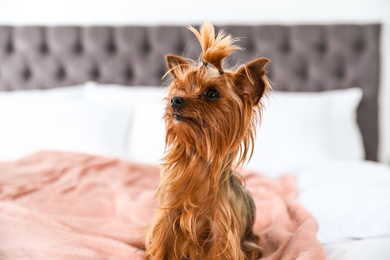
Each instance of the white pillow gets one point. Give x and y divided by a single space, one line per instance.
349 199
346 138
72 92
130 96
300 128
31 125
146 137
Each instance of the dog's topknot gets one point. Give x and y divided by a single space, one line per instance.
215 47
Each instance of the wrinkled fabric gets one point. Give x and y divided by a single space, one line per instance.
62 205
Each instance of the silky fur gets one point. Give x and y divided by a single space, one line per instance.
204 210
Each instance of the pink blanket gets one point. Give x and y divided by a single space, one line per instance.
58 205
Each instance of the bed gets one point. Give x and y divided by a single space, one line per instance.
91 98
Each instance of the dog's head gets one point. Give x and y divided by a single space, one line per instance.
210 108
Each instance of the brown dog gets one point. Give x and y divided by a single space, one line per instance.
204 211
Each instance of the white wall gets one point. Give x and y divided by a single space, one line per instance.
178 11
90 12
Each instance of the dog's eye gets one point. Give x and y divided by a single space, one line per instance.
212 94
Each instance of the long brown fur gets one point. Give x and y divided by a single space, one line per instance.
204 210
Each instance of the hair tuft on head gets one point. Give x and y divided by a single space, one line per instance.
215 47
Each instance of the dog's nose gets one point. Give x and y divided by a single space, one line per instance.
177 102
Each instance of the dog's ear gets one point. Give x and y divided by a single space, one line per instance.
176 64
251 80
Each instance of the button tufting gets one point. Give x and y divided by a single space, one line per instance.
128 73
146 47
358 46
61 73
321 48
95 73
339 73
111 48
285 48
44 49
78 48
9 48
26 74
301 73
180 46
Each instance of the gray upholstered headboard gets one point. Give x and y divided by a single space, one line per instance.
303 58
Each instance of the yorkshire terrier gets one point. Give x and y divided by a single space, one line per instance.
204 211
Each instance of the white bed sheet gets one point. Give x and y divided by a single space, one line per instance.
351 202
349 199
377 248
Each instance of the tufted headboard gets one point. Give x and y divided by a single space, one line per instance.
303 58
